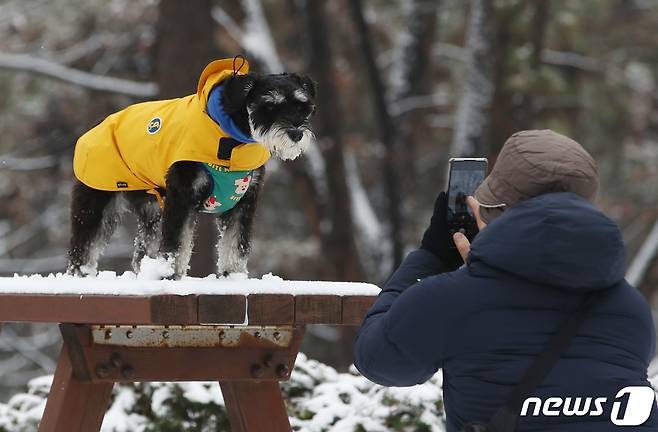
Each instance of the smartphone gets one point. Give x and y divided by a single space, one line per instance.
465 175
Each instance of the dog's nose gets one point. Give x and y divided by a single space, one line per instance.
295 134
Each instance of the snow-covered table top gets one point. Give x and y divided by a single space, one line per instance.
131 299
128 284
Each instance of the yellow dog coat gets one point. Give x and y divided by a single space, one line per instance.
134 148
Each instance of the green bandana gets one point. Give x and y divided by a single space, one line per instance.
228 187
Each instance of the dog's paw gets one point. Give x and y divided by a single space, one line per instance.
231 264
162 267
234 275
82 271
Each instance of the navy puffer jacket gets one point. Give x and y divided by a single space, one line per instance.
486 322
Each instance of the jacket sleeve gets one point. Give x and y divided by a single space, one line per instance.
399 343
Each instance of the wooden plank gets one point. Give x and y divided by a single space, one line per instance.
74 405
222 309
355 308
188 364
271 309
318 309
255 406
174 309
82 309
252 358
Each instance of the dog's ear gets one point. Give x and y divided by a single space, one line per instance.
237 89
307 84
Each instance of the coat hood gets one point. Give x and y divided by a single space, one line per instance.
557 239
216 72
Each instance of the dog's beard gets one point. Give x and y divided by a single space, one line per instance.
278 142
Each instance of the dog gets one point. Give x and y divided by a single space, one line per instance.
165 161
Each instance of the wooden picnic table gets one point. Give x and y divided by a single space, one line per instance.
246 342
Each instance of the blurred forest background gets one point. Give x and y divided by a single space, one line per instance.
403 86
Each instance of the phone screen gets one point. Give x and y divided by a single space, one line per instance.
465 176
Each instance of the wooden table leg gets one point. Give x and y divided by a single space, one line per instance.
255 406
74 405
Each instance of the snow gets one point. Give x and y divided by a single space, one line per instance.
109 283
118 417
155 268
340 402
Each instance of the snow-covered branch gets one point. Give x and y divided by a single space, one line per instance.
571 59
412 103
22 62
30 352
548 56
372 242
643 258
450 51
27 164
80 49
225 20
255 36
259 38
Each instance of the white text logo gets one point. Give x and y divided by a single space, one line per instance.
631 406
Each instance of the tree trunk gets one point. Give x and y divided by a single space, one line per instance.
417 77
472 121
502 122
388 133
185 47
338 242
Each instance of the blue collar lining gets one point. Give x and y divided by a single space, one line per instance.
216 112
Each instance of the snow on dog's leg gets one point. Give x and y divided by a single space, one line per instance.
229 259
94 217
234 229
187 244
149 222
187 187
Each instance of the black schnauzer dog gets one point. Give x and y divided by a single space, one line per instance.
274 110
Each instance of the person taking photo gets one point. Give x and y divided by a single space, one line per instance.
545 263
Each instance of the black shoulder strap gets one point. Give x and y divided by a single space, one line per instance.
507 416
226 146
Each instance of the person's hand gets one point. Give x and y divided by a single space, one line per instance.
437 236
462 243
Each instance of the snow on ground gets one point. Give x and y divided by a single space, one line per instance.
109 283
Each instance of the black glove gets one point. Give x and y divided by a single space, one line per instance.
437 238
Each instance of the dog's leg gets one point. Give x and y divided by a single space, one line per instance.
188 186
149 222
94 216
234 228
